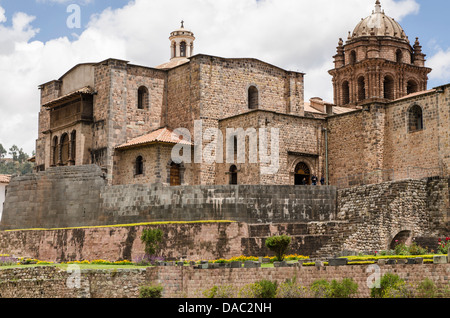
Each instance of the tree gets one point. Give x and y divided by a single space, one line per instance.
19 164
279 245
3 151
151 238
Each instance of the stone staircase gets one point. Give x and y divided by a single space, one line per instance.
311 239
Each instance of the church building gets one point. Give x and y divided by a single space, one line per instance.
127 118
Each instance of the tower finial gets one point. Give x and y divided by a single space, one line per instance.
378 6
182 24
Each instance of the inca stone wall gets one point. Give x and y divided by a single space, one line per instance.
79 196
321 220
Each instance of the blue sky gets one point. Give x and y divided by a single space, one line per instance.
37 46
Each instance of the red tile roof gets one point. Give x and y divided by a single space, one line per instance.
162 135
4 178
416 94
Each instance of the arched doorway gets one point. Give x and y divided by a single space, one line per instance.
233 175
302 174
402 237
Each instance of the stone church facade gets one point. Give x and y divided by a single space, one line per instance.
384 123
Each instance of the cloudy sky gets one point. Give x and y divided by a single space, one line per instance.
41 39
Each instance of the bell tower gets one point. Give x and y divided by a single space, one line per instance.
182 43
377 63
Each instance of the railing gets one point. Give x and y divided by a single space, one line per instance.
387 175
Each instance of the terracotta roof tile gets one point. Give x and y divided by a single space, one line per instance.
162 135
416 94
4 178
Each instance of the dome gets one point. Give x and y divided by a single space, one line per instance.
378 24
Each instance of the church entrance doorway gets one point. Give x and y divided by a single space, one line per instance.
302 174
175 177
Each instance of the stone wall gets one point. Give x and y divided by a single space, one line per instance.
375 144
195 241
187 282
79 196
301 139
375 216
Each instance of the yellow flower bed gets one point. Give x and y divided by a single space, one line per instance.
124 225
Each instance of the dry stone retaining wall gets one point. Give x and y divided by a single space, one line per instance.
188 282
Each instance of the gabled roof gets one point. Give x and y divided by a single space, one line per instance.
162 135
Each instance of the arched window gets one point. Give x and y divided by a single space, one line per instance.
143 98
55 151
175 174
399 56
389 87
139 166
73 146
183 49
233 175
361 88
345 93
174 49
415 118
412 87
253 98
352 57
65 150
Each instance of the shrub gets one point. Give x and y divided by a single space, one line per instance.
150 291
427 289
401 249
250 291
268 288
291 289
443 246
320 288
391 286
343 289
151 238
416 249
279 245
226 291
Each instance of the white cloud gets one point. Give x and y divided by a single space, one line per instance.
298 35
440 63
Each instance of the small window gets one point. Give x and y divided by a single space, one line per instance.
399 56
352 57
139 165
415 118
233 175
253 98
143 98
